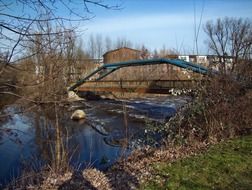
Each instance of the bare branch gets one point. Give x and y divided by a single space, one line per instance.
83 18
230 37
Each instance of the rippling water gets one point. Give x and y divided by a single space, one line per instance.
27 141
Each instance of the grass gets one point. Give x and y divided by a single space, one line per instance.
227 165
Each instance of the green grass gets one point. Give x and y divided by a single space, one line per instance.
227 165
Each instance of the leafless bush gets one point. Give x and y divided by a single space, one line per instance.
222 109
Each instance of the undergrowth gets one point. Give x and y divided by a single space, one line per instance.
221 109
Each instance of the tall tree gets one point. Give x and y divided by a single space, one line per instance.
44 32
20 26
123 42
108 44
39 33
229 37
99 46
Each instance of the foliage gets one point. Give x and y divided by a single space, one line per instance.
225 166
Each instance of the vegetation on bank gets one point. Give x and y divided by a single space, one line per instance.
221 111
221 108
224 166
215 115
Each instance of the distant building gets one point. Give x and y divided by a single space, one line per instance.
184 57
171 56
197 59
215 62
149 72
202 60
121 54
193 58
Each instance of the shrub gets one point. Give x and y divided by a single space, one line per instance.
221 109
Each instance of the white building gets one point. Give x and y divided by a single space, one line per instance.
184 57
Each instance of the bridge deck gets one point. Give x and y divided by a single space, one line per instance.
147 86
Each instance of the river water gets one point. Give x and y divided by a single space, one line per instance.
27 140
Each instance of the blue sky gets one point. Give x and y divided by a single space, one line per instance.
158 23
153 23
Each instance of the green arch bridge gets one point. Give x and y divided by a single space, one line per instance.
144 86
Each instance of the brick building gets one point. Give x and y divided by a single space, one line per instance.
121 54
150 72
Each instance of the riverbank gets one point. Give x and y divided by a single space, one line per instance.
112 129
226 165
208 121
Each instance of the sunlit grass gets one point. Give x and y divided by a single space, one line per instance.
227 165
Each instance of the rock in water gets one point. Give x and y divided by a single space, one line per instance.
78 114
72 96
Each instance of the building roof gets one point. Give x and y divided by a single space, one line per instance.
120 49
171 56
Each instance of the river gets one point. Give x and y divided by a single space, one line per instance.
111 130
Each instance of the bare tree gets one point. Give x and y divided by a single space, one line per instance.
41 27
123 42
19 26
229 37
240 39
145 54
99 46
167 51
108 44
40 42
155 54
92 47
96 46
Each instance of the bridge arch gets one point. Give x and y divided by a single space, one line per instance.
107 69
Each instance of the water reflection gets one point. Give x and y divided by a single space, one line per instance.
65 141
46 135
16 143
33 139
